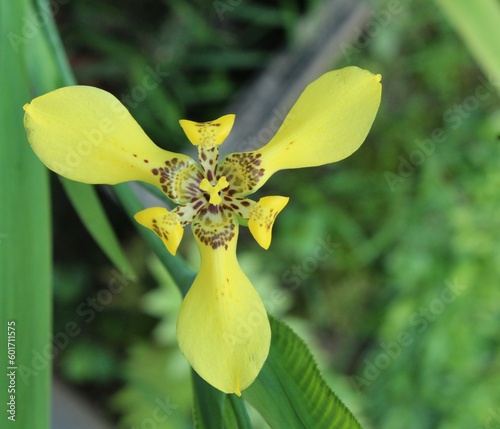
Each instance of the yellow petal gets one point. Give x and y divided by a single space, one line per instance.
262 217
164 224
223 329
208 134
329 121
87 135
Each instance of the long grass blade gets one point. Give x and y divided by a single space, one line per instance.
25 252
478 23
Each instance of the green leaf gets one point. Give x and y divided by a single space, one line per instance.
86 202
478 23
25 250
208 404
290 392
214 409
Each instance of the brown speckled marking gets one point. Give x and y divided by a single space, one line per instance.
198 204
244 170
208 157
187 212
213 224
214 230
265 217
160 232
179 180
237 205
207 134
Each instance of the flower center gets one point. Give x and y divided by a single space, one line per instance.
213 191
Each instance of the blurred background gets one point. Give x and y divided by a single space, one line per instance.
386 263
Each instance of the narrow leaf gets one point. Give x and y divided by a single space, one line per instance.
478 23
86 202
236 406
25 250
290 392
208 405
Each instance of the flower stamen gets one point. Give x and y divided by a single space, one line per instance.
213 191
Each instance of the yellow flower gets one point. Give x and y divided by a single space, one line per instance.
86 134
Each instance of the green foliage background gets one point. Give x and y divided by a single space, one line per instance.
404 315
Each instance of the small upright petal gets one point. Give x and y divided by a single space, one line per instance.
208 134
262 217
223 329
86 134
164 224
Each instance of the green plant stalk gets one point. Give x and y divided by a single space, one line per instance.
25 249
